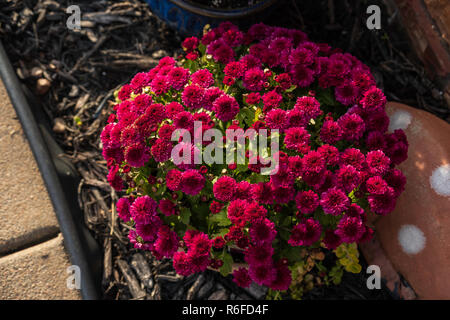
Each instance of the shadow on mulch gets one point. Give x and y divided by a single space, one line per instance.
73 75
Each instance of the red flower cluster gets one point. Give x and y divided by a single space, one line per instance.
336 163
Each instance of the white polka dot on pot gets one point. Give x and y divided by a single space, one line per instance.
412 240
440 180
399 120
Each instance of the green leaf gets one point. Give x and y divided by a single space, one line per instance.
220 218
185 215
227 264
292 88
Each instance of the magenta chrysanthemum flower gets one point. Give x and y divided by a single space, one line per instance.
166 207
123 209
352 126
254 79
373 99
350 229
137 154
192 182
262 193
353 157
313 161
377 162
161 150
382 204
160 85
271 100
178 77
149 231
243 191
396 180
330 153
331 132
137 241
224 188
173 180
242 278
305 233
181 263
262 231
192 96
167 242
346 93
376 185
309 107
203 78
143 209
236 212
254 211
225 107
334 201
331 240
297 138
262 274
277 119
282 279
307 201
348 178
173 108
301 75
259 254
234 69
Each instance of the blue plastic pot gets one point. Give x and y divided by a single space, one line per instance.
189 18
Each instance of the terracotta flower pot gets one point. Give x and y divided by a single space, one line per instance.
415 237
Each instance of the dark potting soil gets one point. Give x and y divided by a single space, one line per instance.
78 72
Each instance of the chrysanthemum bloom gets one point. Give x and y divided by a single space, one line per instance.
283 178
141 103
331 240
225 107
181 263
125 92
255 211
203 78
253 98
283 195
215 207
160 85
375 141
241 278
259 254
137 241
200 244
353 157
236 212
253 79
173 180
295 165
348 178
330 153
192 182
331 132
173 108
377 162
262 193
262 231
307 201
396 180
376 185
224 188
305 233
301 75
218 242
262 274
243 191
234 69
297 138
192 96
352 126
346 93
313 161
350 229
178 77
149 231
309 107
167 242
167 207
282 279
334 201
355 210
137 154
184 120
161 150
382 204
190 44
143 209
271 100
123 209
373 99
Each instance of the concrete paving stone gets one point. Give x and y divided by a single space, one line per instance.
26 213
37 273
